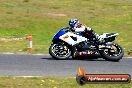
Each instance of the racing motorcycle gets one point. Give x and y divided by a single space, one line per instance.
66 43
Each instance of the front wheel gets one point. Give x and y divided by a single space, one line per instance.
59 51
114 54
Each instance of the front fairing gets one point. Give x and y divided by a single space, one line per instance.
60 33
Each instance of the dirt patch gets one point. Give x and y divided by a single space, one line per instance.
57 14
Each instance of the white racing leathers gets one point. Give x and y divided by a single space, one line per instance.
86 30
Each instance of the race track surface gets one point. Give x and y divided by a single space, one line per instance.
44 65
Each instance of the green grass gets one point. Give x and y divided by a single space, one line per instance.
19 18
51 82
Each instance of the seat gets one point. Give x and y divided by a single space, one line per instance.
111 34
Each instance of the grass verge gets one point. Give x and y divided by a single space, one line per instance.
51 82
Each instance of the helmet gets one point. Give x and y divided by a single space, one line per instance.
73 22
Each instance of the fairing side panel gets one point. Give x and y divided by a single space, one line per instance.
68 37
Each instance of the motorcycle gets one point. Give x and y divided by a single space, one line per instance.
66 43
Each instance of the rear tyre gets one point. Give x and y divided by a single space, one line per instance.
113 54
59 51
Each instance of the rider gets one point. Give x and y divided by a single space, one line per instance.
77 27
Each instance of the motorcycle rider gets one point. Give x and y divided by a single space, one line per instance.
77 27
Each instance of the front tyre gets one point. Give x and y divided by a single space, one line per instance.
114 54
59 51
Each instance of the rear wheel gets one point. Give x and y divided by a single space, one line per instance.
114 54
59 51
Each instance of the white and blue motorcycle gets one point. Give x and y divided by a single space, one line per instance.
67 43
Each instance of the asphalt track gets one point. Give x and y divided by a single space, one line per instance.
44 65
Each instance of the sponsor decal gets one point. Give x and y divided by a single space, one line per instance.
88 53
83 78
65 36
